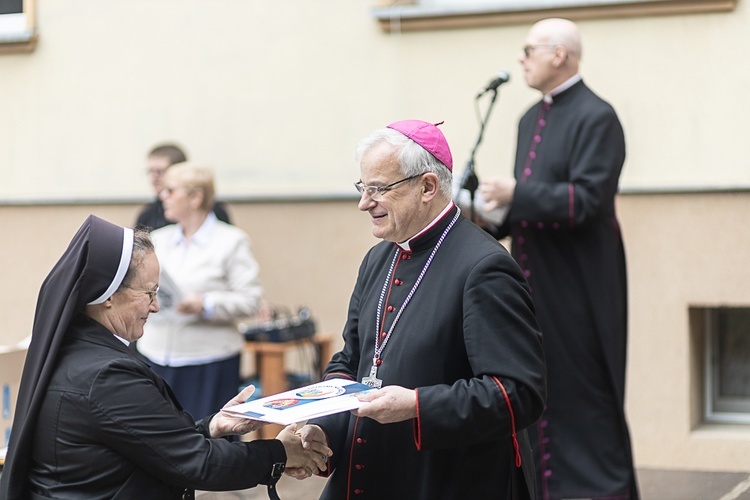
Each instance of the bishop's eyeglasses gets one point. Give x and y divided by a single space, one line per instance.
375 193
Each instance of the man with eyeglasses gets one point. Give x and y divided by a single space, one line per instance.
159 159
566 237
441 325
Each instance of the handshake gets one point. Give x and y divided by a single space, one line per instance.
306 450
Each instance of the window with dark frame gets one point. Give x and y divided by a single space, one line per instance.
11 6
727 365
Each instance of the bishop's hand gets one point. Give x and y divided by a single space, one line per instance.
390 404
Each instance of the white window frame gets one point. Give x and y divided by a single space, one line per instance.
411 15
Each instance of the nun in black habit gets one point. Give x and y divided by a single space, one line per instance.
92 420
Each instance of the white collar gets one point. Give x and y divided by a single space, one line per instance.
562 87
126 342
406 245
201 236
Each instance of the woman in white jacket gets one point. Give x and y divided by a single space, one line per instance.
209 279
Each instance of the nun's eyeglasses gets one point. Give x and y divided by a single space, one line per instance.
151 293
376 192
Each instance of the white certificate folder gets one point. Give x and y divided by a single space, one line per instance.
299 405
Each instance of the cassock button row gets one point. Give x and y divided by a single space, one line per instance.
547 456
527 273
521 240
527 171
383 335
548 473
397 282
391 309
544 424
537 138
361 441
405 256
532 154
542 122
359 466
358 491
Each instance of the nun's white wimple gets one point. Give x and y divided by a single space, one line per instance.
127 253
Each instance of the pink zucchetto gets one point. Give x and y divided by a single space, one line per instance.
428 136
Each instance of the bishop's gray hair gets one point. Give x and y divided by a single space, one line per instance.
413 159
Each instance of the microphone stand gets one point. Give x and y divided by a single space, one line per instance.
470 181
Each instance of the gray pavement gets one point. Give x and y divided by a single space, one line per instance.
655 484
693 485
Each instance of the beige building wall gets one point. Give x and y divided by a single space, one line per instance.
684 251
275 95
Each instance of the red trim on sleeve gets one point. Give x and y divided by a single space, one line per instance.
417 427
571 204
512 421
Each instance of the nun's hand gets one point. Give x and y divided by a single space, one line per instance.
226 424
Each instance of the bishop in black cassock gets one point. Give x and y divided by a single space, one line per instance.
441 321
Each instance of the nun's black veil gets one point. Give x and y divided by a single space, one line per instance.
89 272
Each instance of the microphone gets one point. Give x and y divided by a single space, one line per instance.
502 77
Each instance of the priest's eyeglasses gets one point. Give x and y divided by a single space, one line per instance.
528 49
151 293
375 193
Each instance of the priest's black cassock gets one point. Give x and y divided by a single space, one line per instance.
566 238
